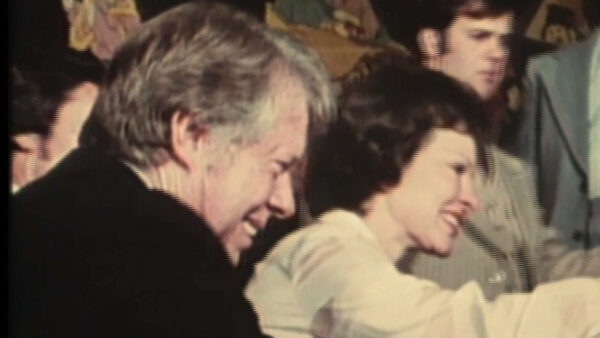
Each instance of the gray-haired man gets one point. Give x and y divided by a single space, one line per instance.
187 153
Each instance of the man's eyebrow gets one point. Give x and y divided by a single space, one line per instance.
488 31
480 30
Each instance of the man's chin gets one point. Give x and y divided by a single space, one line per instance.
237 242
233 255
487 91
235 251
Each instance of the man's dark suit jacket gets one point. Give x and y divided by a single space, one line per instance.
94 253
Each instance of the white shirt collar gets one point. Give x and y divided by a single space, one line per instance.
139 173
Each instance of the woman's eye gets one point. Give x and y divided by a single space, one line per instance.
459 168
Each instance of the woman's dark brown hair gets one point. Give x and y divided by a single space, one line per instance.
383 120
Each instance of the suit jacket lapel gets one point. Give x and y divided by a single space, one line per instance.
488 226
565 82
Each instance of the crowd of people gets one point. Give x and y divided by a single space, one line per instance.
140 182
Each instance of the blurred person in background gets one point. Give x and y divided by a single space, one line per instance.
52 89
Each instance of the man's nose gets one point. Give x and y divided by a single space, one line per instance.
498 48
282 200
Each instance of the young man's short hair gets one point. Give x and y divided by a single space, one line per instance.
404 19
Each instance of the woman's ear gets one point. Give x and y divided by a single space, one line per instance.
429 41
187 140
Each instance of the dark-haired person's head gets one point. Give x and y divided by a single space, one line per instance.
465 39
218 106
52 88
49 103
409 135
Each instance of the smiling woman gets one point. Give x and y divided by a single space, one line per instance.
397 171
403 154
433 197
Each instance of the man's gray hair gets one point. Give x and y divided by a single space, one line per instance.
210 62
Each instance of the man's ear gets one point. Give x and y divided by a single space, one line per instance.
429 41
187 140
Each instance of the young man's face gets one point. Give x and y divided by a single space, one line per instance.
476 52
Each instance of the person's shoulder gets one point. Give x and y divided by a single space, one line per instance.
332 225
83 181
336 236
508 162
565 57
